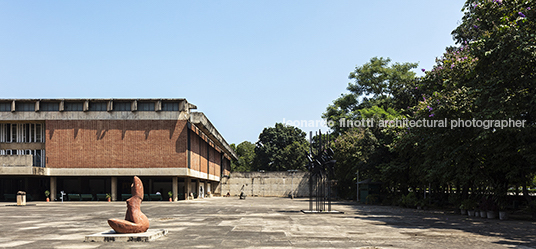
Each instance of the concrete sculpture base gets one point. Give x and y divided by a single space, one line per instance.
322 212
112 236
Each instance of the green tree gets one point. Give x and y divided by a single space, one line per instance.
380 91
246 156
501 35
376 83
352 152
281 148
489 75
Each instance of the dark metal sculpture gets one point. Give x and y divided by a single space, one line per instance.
321 165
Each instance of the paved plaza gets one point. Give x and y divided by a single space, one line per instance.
260 223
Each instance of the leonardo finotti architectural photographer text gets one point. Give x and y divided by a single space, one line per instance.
406 123
434 123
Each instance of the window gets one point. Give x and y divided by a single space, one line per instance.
74 106
122 106
21 133
13 133
31 133
5 106
38 133
24 106
145 106
97 106
25 133
49 106
37 158
6 133
170 106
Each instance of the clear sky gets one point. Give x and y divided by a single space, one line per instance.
246 64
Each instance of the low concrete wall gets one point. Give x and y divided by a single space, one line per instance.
276 184
16 160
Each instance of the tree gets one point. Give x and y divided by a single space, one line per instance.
376 83
500 34
246 156
489 75
280 148
380 91
352 152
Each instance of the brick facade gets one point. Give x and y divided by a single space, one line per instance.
116 143
205 155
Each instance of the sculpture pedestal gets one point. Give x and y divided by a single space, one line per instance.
112 236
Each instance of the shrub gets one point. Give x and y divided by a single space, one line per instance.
410 200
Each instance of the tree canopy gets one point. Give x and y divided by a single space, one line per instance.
488 75
246 157
280 148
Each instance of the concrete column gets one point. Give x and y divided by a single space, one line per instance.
186 188
114 188
197 183
205 189
175 188
53 190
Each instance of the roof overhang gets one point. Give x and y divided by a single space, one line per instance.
201 121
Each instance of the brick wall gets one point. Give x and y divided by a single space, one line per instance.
204 155
116 143
226 166
195 157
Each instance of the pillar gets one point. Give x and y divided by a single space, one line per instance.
197 184
175 188
114 188
187 188
53 190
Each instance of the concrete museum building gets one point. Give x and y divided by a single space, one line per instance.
87 148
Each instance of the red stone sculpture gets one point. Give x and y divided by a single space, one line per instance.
135 221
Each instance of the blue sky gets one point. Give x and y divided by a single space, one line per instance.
245 64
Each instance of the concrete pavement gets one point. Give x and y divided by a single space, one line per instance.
261 222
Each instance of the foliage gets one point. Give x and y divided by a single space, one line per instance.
372 199
246 157
281 148
468 204
352 150
409 200
379 92
47 193
488 75
379 85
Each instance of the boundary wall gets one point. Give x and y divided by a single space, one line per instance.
270 184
